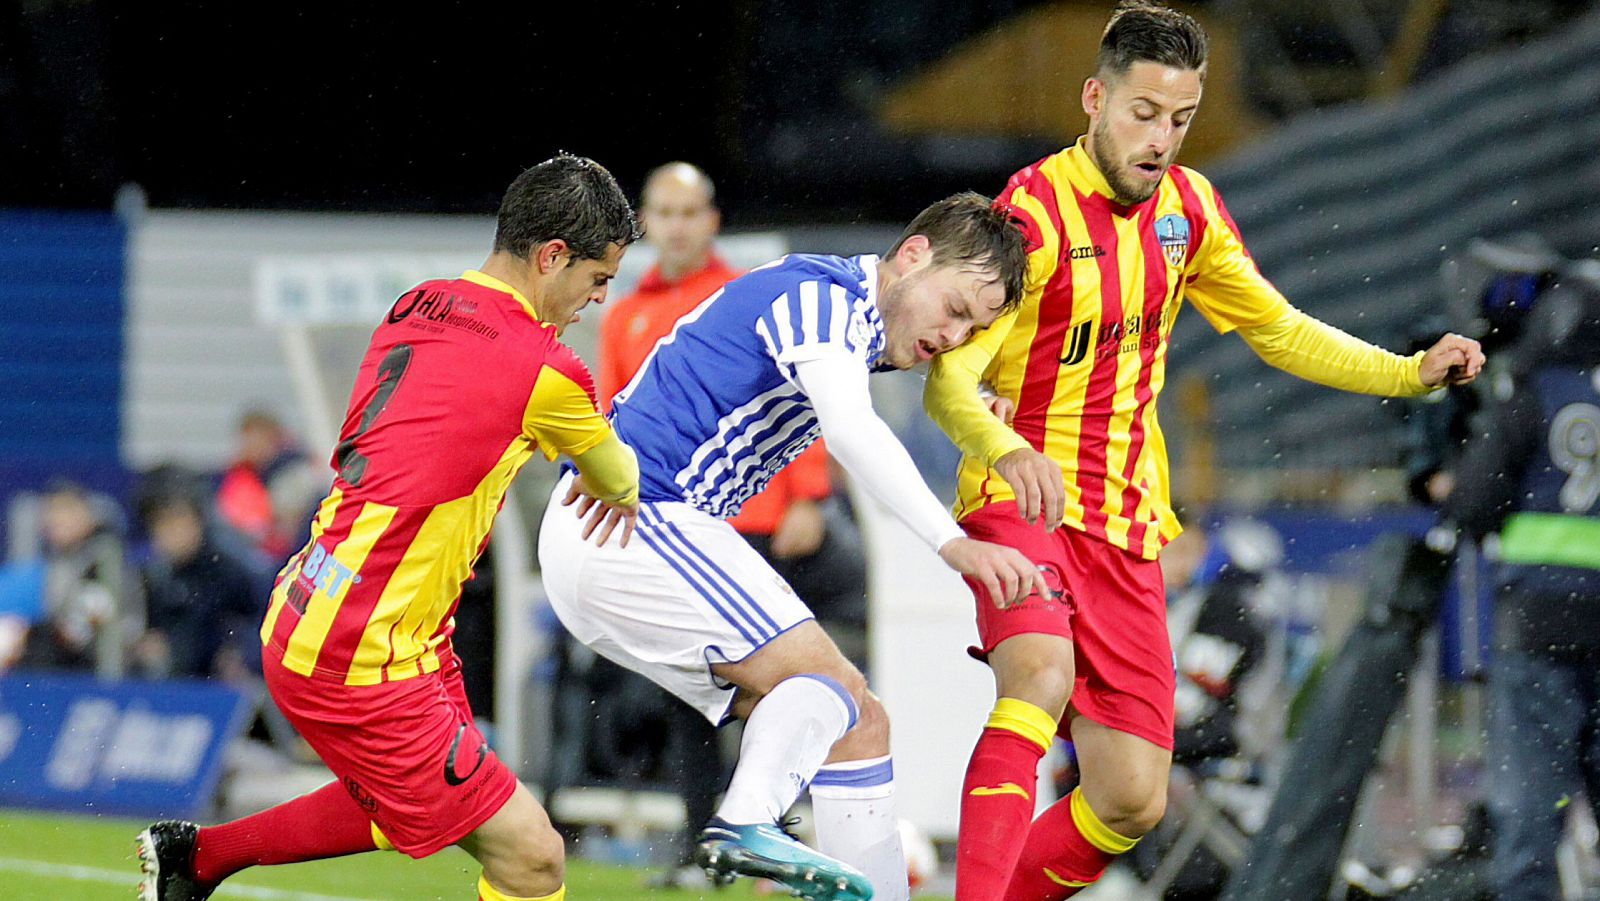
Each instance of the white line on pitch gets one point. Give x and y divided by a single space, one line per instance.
131 877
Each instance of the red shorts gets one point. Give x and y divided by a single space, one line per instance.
1110 603
407 751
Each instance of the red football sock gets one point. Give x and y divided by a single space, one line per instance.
997 797
324 823
1068 848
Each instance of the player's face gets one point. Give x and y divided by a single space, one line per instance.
577 284
1137 122
679 222
936 308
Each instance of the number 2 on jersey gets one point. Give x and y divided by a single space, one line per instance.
352 464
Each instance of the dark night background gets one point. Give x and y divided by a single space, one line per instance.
359 106
347 107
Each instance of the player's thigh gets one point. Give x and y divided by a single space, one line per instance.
1125 676
1043 613
1035 667
688 595
805 649
405 751
1123 776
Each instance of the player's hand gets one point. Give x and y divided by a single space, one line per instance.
1008 576
601 515
1454 360
1036 481
800 532
1002 407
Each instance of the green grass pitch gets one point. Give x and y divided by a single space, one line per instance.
50 857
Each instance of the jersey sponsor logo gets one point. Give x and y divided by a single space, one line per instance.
1172 231
433 309
321 572
1078 346
1085 253
450 776
1127 335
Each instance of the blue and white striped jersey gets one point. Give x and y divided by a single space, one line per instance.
716 409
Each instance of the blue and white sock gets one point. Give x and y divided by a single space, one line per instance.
785 740
853 803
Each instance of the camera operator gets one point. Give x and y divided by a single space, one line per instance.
1529 482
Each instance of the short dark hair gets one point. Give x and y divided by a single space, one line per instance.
1140 31
969 228
569 197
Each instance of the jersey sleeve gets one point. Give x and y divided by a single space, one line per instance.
561 416
610 470
1223 281
812 320
1030 198
1318 352
951 398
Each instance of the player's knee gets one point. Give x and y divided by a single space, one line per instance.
872 723
1135 808
850 681
537 863
1045 681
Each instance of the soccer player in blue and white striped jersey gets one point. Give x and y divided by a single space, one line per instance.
740 387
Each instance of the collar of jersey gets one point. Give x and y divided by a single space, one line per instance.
492 283
1080 168
869 268
869 280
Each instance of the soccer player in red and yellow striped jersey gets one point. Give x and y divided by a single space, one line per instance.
464 381
1118 238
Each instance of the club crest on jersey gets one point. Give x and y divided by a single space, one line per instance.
1172 231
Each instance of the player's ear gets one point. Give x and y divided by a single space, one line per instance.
914 251
1094 96
550 256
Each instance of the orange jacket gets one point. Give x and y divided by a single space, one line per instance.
631 329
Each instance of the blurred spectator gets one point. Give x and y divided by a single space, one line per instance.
203 609
1491 289
91 612
1531 477
1215 637
270 490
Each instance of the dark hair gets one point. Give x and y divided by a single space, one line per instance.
969 228
569 197
1140 31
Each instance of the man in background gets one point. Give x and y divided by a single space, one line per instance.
269 491
1531 476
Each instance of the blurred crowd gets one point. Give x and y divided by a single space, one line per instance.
173 585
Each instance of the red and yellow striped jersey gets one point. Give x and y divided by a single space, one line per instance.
1084 358
459 386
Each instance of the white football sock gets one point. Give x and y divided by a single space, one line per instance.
853 804
785 740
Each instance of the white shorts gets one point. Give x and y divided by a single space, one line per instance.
686 593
